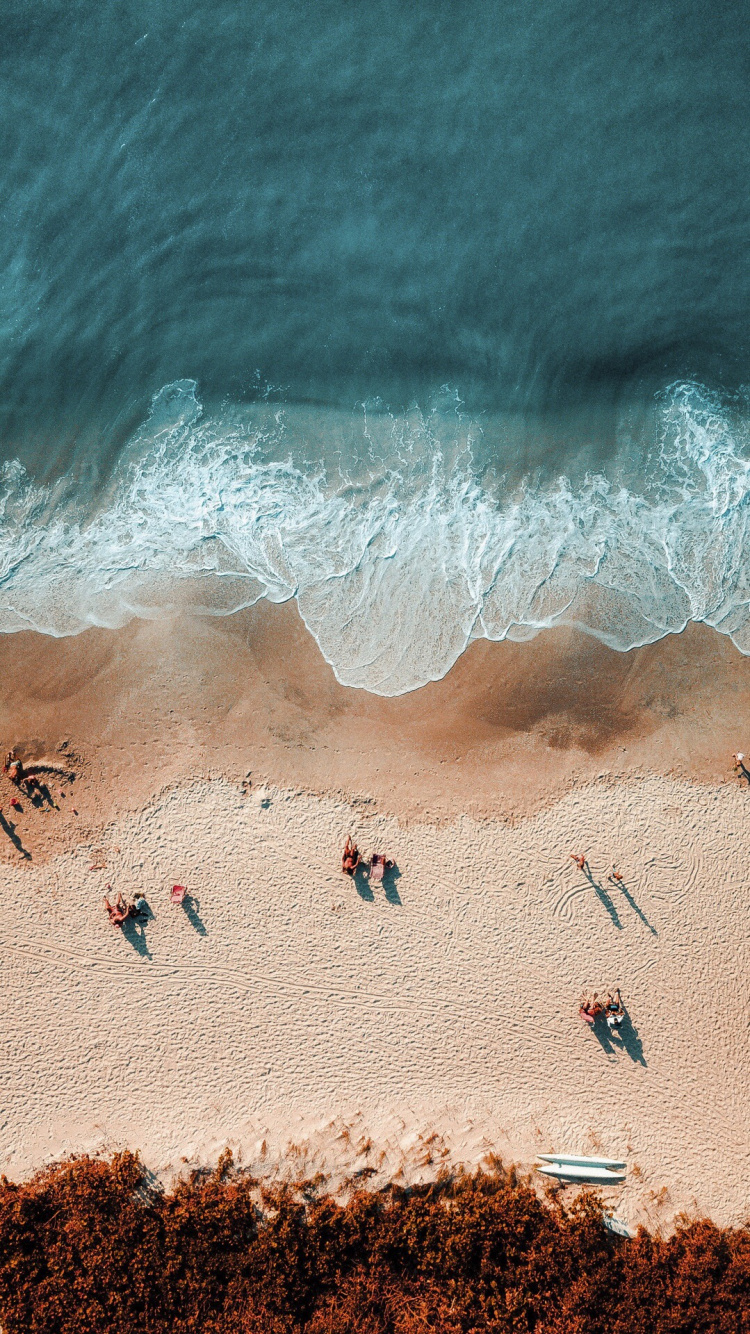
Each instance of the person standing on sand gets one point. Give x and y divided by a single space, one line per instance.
579 859
615 876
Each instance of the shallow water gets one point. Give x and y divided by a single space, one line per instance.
431 318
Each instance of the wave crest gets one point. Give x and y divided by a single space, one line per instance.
396 570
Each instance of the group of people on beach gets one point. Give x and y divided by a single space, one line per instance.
351 861
612 1010
26 781
26 778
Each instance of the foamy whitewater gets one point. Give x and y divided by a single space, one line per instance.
395 575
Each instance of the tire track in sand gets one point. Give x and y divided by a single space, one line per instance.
425 1004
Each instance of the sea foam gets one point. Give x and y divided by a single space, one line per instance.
394 569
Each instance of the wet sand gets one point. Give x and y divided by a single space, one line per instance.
506 733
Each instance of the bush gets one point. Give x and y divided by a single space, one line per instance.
87 1248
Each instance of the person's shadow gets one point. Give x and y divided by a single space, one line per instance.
638 911
190 907
601 1032
362 884
46 795
603 897
626 1038
390 876
10 829
132 929
629 1039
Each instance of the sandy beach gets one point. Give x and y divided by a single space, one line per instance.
384 1031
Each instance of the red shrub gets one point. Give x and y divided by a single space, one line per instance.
86 1248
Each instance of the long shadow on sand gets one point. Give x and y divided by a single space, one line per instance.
190 907
638 911
604 898
10 829
364 888
389 884
624 1038
133 932
362 885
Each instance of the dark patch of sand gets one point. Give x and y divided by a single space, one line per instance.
506 732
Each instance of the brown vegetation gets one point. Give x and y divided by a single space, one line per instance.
87 1246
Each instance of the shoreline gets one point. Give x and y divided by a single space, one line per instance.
508 731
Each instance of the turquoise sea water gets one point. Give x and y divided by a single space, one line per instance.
432 316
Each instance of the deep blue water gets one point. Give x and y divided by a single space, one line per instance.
432 316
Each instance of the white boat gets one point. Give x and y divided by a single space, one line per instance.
576 1160
570 1172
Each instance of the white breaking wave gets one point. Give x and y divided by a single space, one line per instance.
395 577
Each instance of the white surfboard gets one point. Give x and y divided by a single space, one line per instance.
576 1160
569 1172
617 1225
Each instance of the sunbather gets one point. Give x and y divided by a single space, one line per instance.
615 1010
351 858
593 1008
378 865
118 910
139 907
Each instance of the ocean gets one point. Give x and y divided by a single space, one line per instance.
432 317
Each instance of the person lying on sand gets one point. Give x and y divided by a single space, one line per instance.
615 1010
118 910
139 907
379 864
13 767
351 858
593 1008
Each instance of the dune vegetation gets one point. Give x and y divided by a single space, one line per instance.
90 1245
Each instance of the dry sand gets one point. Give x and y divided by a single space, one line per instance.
380 1030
